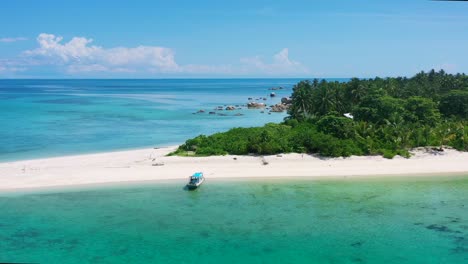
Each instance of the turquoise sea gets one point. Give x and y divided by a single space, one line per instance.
423 220
43 118
404 220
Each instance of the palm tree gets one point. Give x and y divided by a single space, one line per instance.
301 101
324 100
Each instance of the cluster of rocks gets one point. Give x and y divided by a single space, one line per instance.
221 108
257 99
279 108
286 100
276 88
254 104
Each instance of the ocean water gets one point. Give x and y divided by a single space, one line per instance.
423 220
43 118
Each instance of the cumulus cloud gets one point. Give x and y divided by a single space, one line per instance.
79 55
6 40
280 64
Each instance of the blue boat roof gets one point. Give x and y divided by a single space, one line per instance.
197 174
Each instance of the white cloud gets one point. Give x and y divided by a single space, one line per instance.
6 40
79 55
281 64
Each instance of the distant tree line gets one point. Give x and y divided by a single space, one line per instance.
389 117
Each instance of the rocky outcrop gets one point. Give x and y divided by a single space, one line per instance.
272 94
286 100
230 108
256 105
279 108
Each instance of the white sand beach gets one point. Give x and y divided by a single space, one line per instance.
152 164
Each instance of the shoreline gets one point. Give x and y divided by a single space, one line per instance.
265 179
133 167
92 152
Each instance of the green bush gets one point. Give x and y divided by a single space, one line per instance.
391 116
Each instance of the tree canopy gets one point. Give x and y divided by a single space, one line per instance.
390 116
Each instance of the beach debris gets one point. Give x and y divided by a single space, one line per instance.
279 155
158 164
264 162
235 158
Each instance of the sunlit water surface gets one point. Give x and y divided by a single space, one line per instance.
326 221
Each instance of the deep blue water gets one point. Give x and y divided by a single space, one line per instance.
43 118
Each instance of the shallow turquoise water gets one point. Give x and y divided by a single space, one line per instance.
326 221
42 118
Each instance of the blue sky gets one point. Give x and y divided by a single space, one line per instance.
230 39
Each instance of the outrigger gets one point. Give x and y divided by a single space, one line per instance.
195 180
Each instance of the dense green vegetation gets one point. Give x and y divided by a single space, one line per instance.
391 116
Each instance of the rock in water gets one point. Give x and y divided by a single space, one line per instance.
256 105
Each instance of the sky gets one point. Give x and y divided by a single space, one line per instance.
231 39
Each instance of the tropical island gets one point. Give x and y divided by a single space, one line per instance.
375 123
380 116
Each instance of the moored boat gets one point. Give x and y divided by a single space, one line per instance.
195 180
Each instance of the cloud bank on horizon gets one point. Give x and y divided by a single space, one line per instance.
79 57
